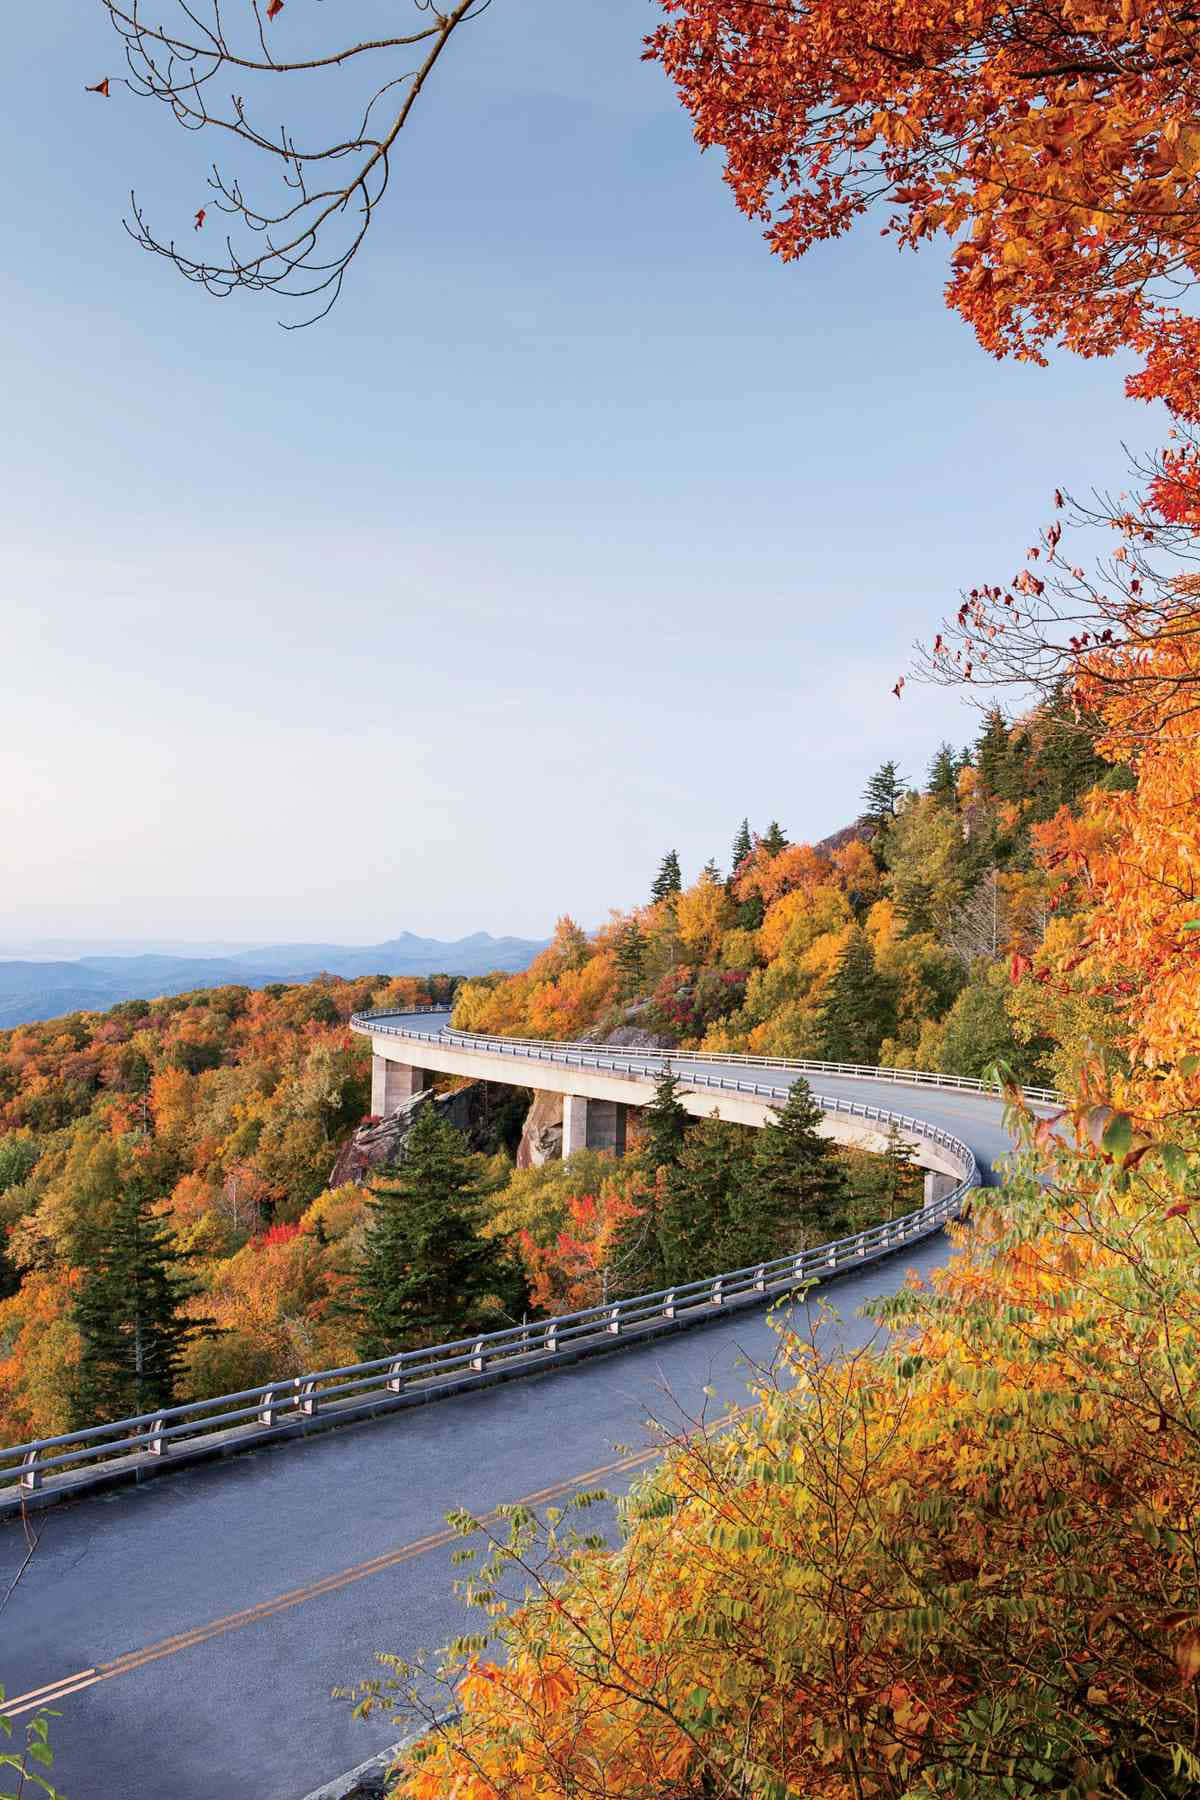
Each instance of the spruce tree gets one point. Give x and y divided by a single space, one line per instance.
773 839
698 1223
796 1191
129 1312
992 756
426 1272
629 948
856 1010
901 1183
711 871
751 913
881 797
668 881
664 1124
743 844
942 781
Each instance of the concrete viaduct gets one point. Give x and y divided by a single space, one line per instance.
600 1084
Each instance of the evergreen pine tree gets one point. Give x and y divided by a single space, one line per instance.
668 881
426 1273
773 840
751 913
796 1191
901 1184
1064 765
743 844
855 1012
129 1312
881 797
711 871
942 781
629 948
664 1125
698 1221
992 755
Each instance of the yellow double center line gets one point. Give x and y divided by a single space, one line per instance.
54 1691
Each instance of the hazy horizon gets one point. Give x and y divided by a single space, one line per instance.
580 529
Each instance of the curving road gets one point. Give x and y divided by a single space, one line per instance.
206 1615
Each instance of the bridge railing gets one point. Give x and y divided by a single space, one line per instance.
229 1422
581 1054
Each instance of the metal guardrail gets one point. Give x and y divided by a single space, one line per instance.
651 1062
253 1413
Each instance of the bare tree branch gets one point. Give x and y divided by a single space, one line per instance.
299 244
1060 626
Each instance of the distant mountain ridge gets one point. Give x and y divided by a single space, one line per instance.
31 990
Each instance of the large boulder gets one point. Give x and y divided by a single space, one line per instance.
377 1142
636 1037
542 1136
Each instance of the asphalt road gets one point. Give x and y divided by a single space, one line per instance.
208 1614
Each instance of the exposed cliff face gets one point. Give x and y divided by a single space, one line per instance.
541 1138
480 1110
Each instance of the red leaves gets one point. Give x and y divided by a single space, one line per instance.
1179 1210
200 216
274 9
898 686
1019 966
100 87
938 645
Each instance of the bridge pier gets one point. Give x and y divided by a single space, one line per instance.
392 1082
593 1124
937 1185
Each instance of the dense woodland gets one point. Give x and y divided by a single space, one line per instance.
891 943
165 1166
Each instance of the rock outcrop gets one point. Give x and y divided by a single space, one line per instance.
377 1142
542 1136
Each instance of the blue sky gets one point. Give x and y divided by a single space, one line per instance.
581 528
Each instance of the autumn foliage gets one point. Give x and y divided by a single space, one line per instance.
232 1105
1056 147
965 1565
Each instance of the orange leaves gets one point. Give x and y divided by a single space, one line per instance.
200 218
1079 187
274 9
100 87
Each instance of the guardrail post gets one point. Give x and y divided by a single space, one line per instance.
550 1341
158 1445
395 1380
31 1474
478 1359
267 1408
669 1305
718 1291
614 1321
308 1401
798 1266
861 1247
760 1279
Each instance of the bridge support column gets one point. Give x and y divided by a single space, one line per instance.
392 1082
937 1185
593 1124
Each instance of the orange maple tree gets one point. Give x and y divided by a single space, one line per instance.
1057 145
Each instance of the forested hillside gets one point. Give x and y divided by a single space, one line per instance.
890 944
226 1108
189 1142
